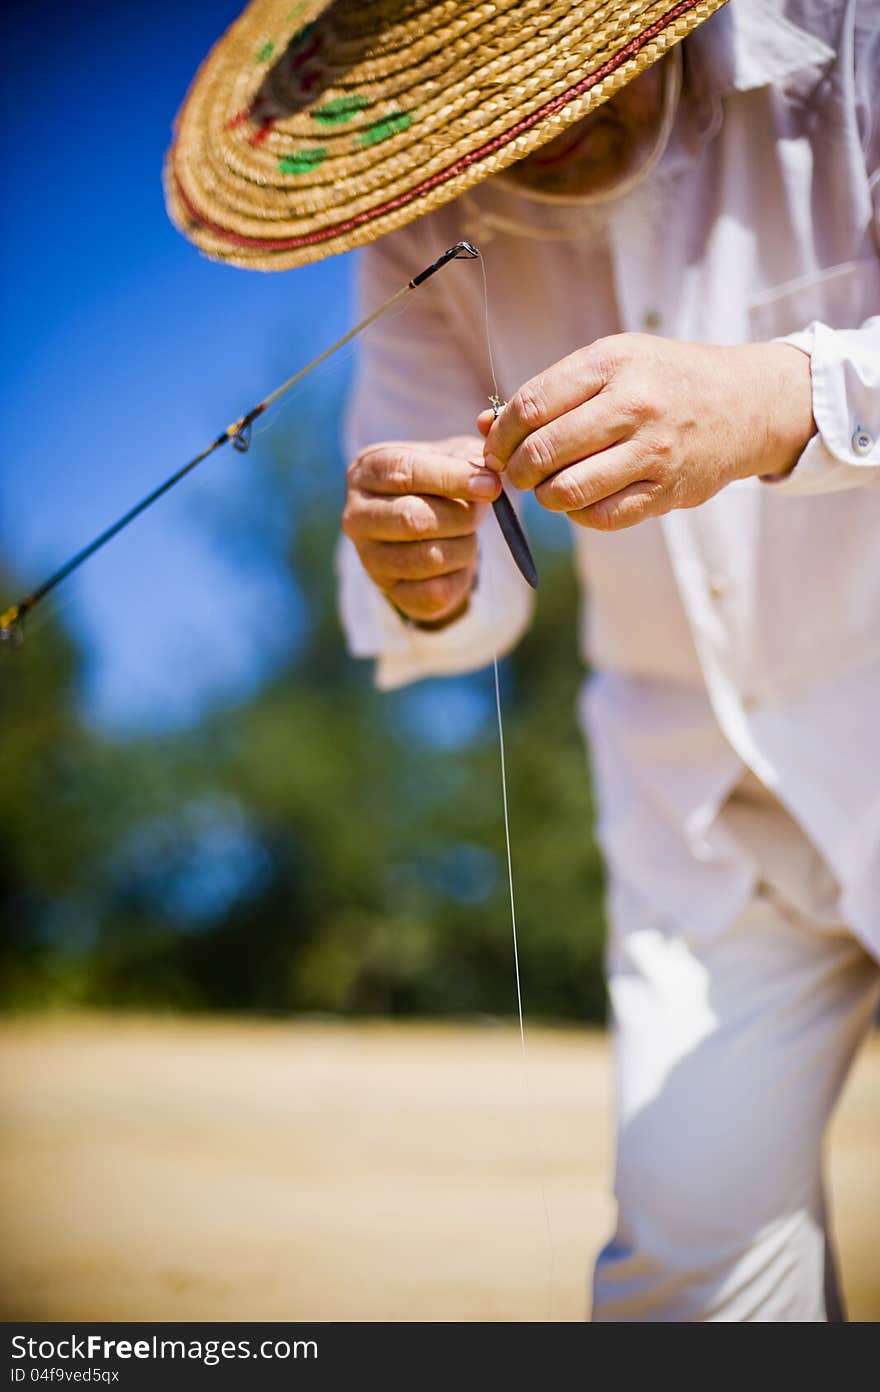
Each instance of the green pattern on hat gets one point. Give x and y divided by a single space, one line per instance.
302 161
388 126
339 110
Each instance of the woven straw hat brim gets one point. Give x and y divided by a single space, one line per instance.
314 127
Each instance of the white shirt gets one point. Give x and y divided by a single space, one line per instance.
743 635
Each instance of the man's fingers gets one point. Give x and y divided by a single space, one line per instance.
406 469
374 517
576 435
484 421
428 599
561 388
412 510
635 503
588 481
389 561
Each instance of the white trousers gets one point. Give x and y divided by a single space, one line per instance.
730 1054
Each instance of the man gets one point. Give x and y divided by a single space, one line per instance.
684 290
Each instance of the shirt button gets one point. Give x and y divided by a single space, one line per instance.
716 585
862 442
652 319
749 701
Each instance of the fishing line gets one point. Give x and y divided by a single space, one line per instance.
497 404
526 1073
495 398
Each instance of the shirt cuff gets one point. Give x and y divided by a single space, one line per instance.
499 611
845 450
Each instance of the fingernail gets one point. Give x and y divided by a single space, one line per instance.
491 461
483 485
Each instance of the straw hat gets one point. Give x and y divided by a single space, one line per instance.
313 127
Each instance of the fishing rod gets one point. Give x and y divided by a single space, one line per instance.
239 432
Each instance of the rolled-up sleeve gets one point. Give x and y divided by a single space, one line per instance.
845 370
415 381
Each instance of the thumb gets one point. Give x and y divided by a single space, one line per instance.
484 421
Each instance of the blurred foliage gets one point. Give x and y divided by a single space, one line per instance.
322 847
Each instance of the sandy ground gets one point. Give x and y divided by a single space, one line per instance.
164 1169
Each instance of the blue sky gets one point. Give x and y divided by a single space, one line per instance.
124 352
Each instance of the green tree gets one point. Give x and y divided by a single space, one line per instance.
319 847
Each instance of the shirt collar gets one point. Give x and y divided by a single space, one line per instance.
749 44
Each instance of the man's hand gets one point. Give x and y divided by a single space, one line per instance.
412 510
634 426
